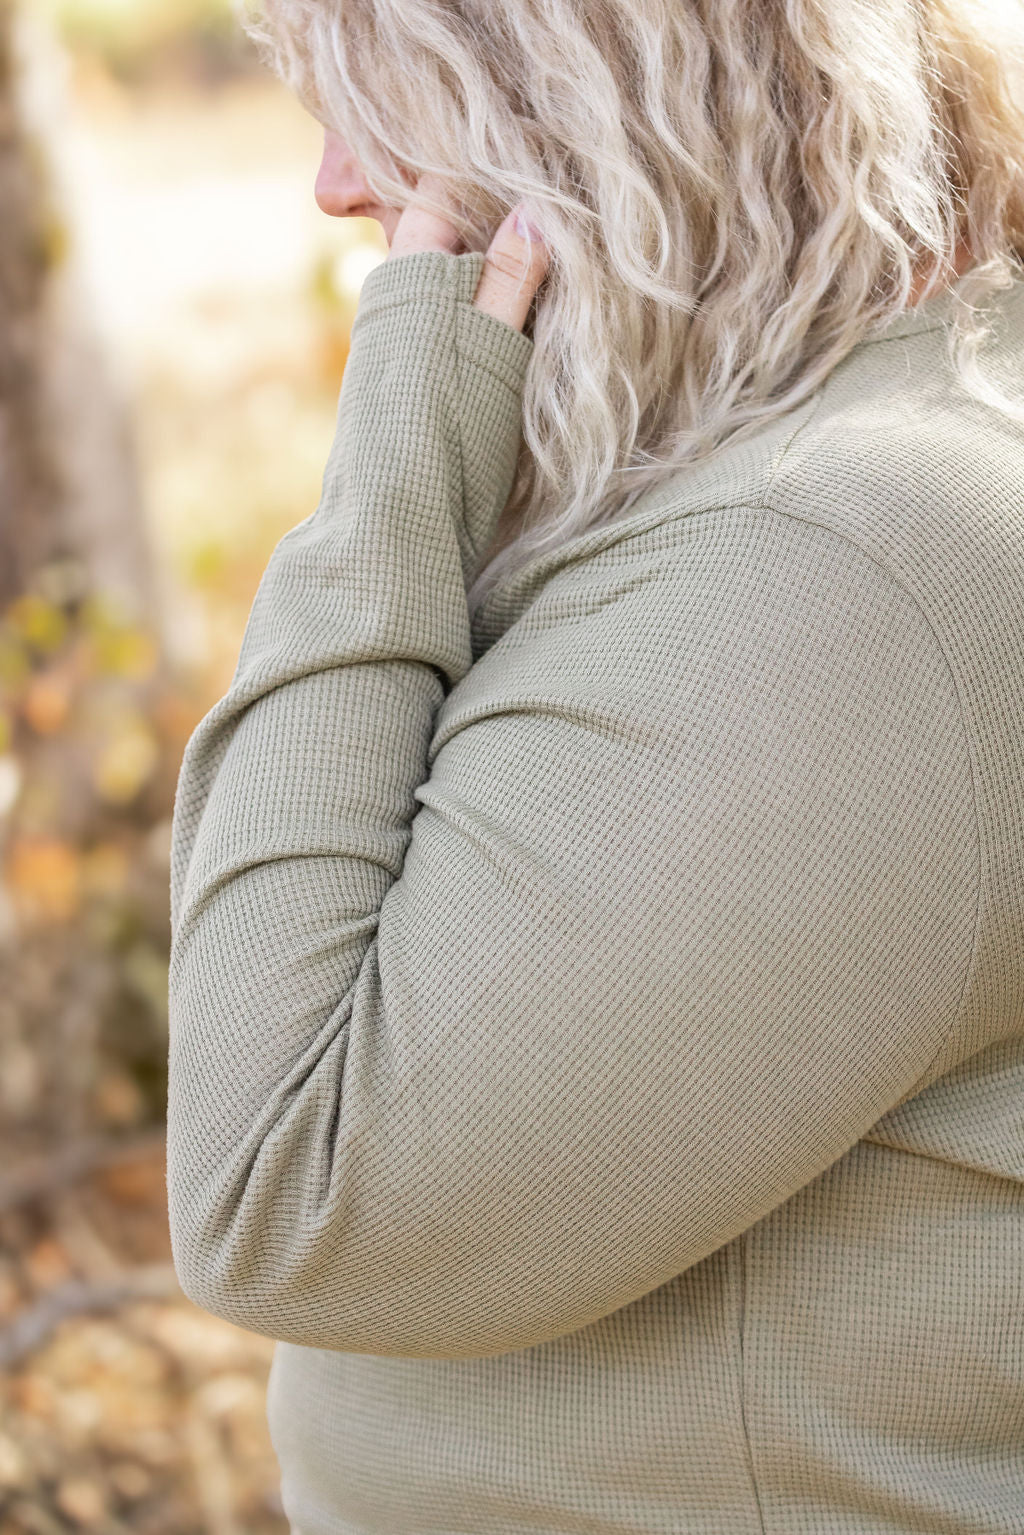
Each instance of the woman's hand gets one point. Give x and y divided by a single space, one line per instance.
514 266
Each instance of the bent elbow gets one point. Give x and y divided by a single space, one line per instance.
238 1282
206 1264
247 1262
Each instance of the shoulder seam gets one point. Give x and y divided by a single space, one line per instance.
891 576
768 505
790 440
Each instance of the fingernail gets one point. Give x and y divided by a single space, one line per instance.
525 229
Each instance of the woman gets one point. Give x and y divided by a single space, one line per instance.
597 1033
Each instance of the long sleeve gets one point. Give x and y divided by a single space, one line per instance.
501 993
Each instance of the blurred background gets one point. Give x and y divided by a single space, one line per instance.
174 321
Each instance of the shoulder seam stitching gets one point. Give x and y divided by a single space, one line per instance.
969 747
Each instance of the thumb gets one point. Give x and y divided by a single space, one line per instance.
515 265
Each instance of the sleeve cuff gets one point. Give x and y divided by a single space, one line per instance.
418 275
482 338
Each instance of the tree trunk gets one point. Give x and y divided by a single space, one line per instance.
69 489
81 949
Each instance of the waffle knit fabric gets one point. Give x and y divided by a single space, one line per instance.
597 1029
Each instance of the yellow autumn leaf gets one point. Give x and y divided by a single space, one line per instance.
38 622
117 647
129 653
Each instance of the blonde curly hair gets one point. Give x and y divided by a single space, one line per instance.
734 193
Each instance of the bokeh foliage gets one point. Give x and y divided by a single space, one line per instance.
90 727
141 40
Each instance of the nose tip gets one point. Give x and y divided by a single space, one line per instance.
340 188
338 197
328 200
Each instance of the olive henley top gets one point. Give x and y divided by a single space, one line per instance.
597 1029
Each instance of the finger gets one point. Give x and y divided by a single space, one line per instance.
516 264
420 229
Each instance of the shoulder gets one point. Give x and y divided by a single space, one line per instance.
891 490
897 455
726 620
888 450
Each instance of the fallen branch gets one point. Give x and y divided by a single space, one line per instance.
42 1177
77 1297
